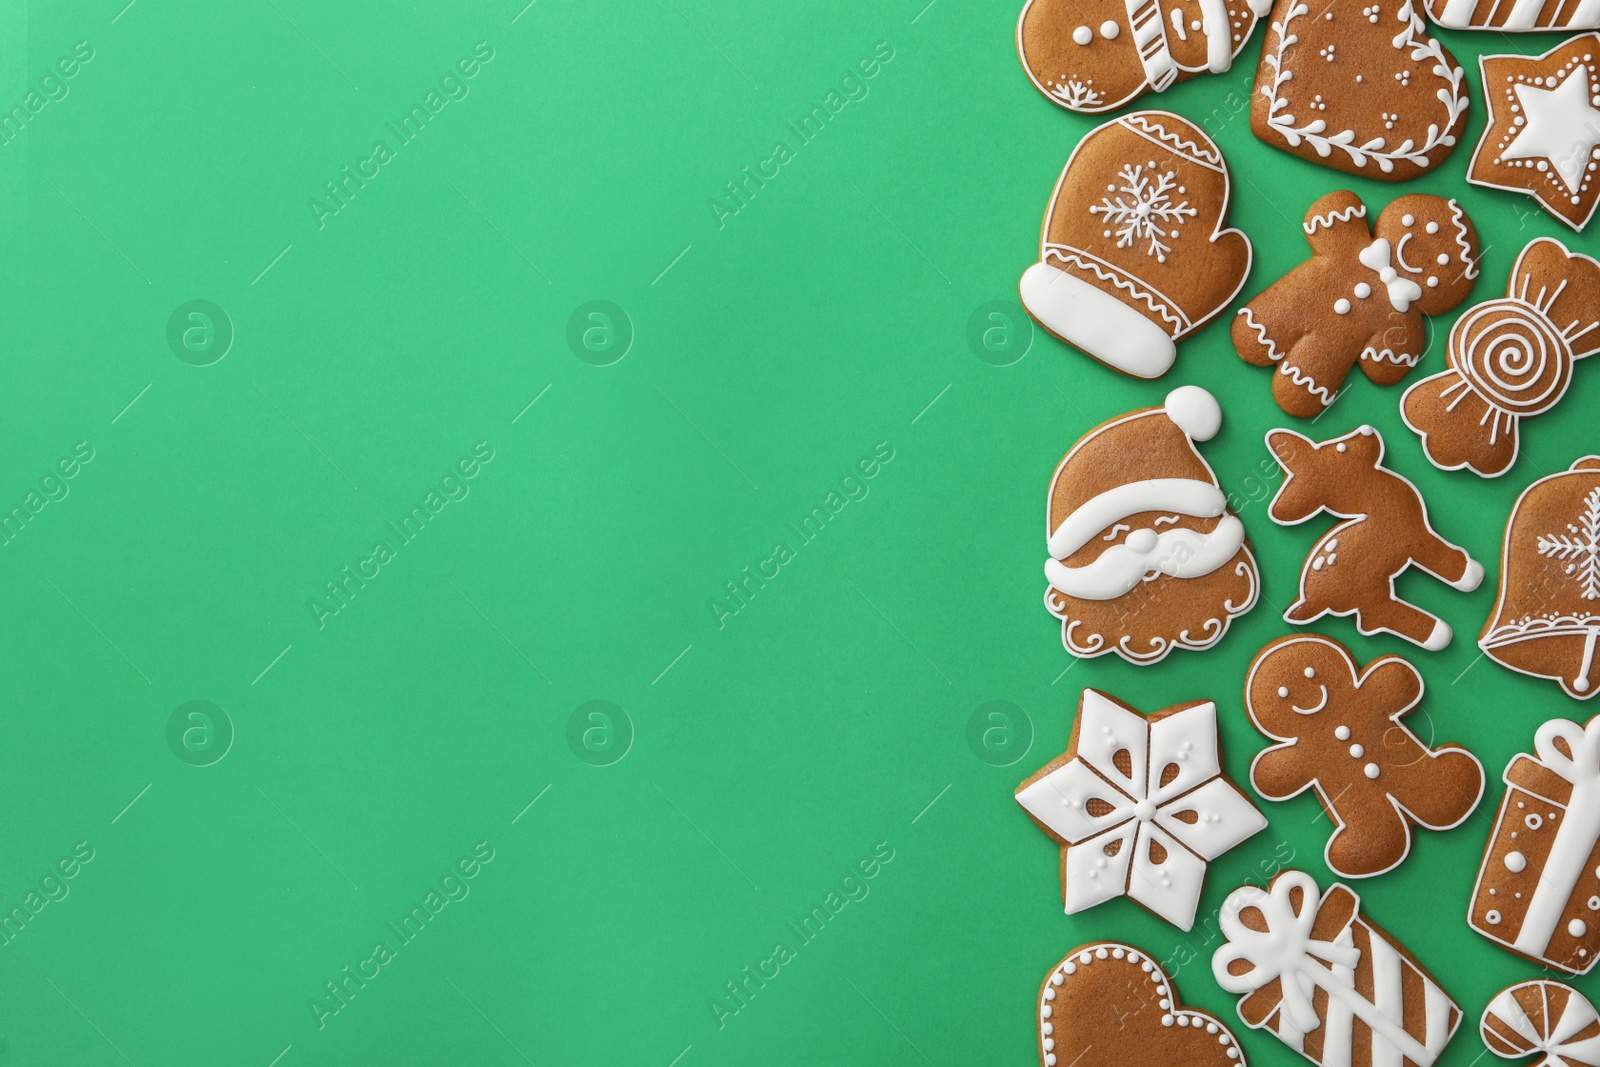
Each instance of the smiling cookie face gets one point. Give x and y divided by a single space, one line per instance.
1296 683
1433 244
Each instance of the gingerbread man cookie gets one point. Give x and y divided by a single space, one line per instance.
1360 300
1359 86
1339 731
1352 568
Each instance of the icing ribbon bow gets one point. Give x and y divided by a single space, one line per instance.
1402 291
1580 763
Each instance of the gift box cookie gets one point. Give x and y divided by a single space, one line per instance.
1538 892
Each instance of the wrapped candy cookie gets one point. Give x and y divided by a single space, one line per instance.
1538 891
1329 983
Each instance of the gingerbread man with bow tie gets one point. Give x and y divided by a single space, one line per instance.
1360 300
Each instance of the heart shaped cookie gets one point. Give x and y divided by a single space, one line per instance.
1117 1001
1359 86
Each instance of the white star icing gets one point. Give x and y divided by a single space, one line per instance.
1562 126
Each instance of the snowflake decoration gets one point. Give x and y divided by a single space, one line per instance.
1077 94
1141 807
1144 210
1580 548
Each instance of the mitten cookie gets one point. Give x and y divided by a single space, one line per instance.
1543 136
1510 360
1360 299
1547 617
1133 254
1548 1019
1117 1002
1339 730
1359 86
1145 556
1096 55
1538 891
1330 983
1139 806
1351 569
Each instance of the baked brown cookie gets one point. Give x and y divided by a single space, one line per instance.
1550 1020
1515 16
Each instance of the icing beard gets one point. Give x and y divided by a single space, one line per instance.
1145 555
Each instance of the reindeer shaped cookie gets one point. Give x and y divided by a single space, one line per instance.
1351 570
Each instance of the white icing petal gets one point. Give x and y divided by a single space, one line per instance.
1092 877
1226 817
1187 740
1171 888
1060 801
1106 728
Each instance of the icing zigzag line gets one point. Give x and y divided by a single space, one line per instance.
1389 355
1358 211
1261 333
1306 382
1144 125
1162 307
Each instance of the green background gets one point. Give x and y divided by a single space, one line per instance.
762 759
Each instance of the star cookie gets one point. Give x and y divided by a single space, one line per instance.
1543 136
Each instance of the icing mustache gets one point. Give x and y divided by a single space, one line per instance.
1145 554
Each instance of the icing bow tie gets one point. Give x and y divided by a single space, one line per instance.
1580 762
1402 291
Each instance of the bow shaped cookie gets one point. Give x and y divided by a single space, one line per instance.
1510 359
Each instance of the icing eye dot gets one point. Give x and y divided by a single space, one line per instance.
1432 227
1310 673
1408 220
1492 918
1283 690
1341 306
1433 283
1109 30
1444 259
1082 35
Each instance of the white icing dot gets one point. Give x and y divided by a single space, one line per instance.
1309 672
1363 290
1432 227
1055 979
1049 1043
1341 306
1408 220
1109 30
1340 447
1444 259
1046 1011
1342 732
1356 752
1050 1059
1577 928
1492 918
1516 862
1433 283
1082 35
1283 690
1166 1020
1534 820
1100 953
1116 953
1370 770
1594 903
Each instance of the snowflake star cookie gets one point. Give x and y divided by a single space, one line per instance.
1117 1001
1145 556
1510 359
1133 254
1096 55
1339 730
1547 1019
1330 983
1547 618
1361 299
1359 86
1543 136
1139 806
1538 891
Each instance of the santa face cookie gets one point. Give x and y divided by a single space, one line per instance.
1115 1001
1538 891
1325 979
1510 359
1339 730
1351 569
1096 55
1360 300
1358 86
1145 556
1139 806
1546 619
1543 136
1550 1020
1133 254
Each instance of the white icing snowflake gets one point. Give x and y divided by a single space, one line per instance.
1144 209
1580 547
1077 94
1142 806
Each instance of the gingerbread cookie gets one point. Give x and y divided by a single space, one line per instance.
1327 981
1117 1002
1352 568
1510 359
1538 891
1096 55
1359 86
1547 617
1133 254
1339 730
1548 1019
1145 555
1360 300
1515 16
1139 805
1543 136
